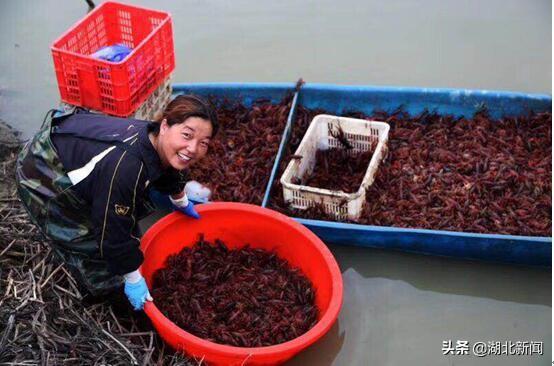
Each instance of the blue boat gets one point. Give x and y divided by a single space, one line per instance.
523 250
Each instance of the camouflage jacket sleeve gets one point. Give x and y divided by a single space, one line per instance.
118 192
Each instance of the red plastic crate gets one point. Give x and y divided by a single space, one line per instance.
115 88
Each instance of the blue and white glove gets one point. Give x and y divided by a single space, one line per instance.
185 206
136 290
197 193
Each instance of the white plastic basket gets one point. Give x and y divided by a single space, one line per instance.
362 135
155 103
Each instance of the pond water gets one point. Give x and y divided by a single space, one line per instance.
398 308
493 44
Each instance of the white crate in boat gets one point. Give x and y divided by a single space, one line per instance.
363 135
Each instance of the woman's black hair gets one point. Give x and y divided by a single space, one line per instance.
183 107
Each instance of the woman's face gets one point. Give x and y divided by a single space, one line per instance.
180 145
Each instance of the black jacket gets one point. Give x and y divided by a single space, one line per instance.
114 164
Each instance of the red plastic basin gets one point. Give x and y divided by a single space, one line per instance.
238 224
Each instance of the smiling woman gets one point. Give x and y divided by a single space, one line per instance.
184 132
86 180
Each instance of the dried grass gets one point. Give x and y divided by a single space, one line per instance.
43 319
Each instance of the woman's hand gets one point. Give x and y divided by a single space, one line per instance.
183 205
136 290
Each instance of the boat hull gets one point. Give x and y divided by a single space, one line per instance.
523 250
